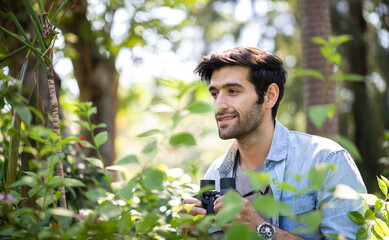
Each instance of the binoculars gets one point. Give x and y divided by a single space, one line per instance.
208 198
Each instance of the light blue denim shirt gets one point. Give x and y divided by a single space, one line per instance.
293 153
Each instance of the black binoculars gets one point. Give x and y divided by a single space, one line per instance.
208 197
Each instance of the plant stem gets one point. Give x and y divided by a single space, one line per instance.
13 154
56 128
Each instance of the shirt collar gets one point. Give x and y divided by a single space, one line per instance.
278 150
280 144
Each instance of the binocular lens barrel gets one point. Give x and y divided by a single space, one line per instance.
206 182
226 184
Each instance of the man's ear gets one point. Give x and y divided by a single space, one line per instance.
271 95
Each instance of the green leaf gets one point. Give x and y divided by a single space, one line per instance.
386 216
70 182
347 77
369 215
312 220
150 147
258 180
26 180
127 191
24 113
271 207
369 198
182 139
232 205
86 144
101 138
336 59
240 231
319 113
91 111
168 83
125 223
109 210
30 150
127 160
378 205
56 181
96 194
337 40
327 52
81 113
147 223
16 195
36 112
320 41
95 162
381 228
200 107
349 146
101 125
66 141
153 178
383 187
386 181
357 217
362 234
149 133
62 212
308 73
83 124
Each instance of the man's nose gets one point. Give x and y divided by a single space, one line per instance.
221 101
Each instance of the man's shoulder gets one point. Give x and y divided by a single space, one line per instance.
313 150
313 141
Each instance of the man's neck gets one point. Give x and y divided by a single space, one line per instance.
254 149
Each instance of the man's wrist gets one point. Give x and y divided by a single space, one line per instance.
266 230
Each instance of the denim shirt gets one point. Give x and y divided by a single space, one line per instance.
293 153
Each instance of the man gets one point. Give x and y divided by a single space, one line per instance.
247 85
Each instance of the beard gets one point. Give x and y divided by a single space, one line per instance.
244 125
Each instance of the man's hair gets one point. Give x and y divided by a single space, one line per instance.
265 69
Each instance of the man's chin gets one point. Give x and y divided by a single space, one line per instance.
225 136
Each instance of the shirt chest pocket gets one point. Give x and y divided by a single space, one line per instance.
300 206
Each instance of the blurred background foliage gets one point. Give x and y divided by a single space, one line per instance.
132 58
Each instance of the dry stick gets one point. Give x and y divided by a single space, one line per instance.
57 130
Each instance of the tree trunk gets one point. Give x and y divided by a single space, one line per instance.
96 76
315 21
365 118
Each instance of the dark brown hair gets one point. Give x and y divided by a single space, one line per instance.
266 68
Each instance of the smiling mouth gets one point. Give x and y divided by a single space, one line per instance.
222 119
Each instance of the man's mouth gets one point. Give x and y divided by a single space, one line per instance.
225 118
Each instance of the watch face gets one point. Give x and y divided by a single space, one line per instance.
266 231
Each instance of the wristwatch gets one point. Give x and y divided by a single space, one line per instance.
266 230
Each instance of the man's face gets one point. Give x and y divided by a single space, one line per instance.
238 115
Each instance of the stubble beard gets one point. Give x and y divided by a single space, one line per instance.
245 125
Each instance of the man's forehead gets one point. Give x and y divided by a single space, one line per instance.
230 75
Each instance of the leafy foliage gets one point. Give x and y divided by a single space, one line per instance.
376 218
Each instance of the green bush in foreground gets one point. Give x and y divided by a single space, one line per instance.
145 207
376 216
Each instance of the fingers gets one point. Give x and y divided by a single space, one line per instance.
226 226
195 209
218 204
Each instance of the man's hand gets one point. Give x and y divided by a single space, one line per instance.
248 216
195 210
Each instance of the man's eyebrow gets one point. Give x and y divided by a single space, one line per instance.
227 85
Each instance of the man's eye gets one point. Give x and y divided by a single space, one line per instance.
233 91
214 94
